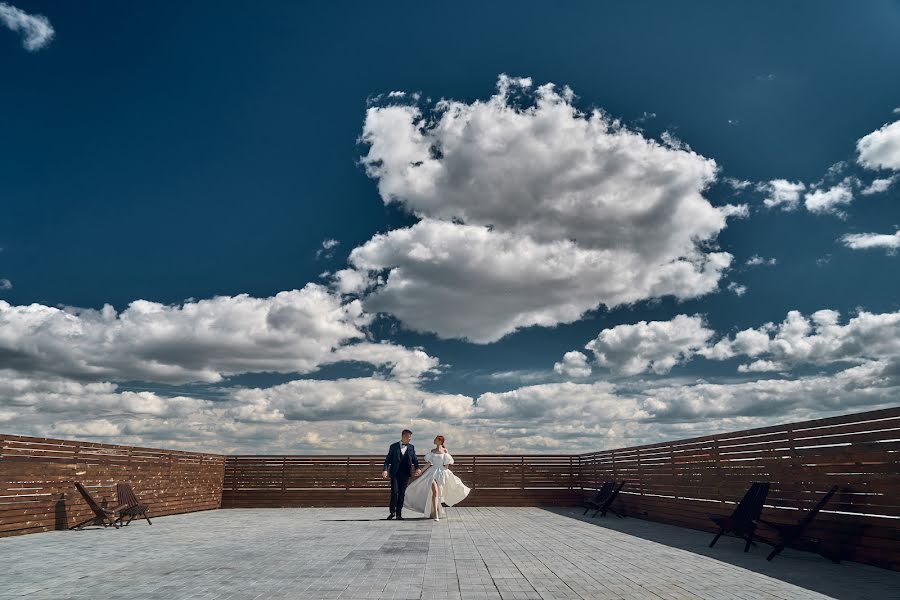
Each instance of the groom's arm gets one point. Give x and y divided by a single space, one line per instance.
415 459
387 459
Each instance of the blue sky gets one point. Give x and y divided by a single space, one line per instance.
520 268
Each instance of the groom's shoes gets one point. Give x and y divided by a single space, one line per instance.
399 516
390 516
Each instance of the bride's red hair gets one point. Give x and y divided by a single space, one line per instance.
440 439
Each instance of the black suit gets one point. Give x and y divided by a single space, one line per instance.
400 467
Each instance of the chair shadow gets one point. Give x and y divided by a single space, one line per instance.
845 581
382 519
60 513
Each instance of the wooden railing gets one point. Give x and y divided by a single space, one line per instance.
685 481
355 480
36 475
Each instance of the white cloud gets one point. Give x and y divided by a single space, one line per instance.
406 364
365 399
865 241
749 342
102 428
553 403
767 401
758 366
504 190
737 184
828 201
881 148
362 414
36 29
818 340
650 346
468 281
351 281
548 171
757 260
739 211
737 289
879 185
327 249
199 341
574 364
783 193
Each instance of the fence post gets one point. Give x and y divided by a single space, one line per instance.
640 474
672 470
718 470
283 477
522 475
792 465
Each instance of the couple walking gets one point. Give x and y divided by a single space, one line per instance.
426 494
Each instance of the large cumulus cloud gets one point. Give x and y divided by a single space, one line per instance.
480 284
532 213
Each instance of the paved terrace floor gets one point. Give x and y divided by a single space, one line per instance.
476 553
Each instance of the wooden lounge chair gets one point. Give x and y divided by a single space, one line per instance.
600 497
744 519
606 506
790 533
132 506
102 516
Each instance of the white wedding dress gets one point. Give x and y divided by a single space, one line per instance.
452 489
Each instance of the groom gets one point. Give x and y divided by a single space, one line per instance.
398 463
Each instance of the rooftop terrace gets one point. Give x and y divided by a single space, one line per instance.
476 553
312 526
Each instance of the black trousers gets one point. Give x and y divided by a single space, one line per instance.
399 482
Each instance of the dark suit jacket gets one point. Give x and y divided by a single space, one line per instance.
395 460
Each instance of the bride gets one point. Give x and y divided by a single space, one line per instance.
436 485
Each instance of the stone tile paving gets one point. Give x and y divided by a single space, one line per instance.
476 553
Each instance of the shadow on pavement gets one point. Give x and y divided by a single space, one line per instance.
845 581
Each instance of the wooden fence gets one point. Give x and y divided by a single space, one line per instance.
355 480
685 481
36 475
681 482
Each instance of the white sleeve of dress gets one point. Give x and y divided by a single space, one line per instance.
429 458
448 460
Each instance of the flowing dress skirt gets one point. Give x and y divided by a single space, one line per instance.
418 493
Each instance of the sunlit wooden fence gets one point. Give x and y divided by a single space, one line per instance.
36 475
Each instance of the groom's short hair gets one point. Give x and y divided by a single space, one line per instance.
405 431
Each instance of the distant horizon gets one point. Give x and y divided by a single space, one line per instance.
380 455
304 228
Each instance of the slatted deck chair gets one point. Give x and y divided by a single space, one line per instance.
600 497
745 518
790 533
132 506
606 506
102 516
